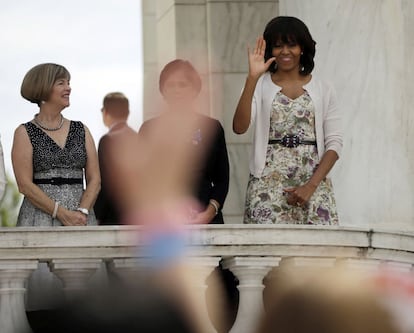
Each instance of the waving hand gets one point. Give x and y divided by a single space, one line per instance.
257 65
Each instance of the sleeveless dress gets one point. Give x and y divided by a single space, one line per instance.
266 202
50 160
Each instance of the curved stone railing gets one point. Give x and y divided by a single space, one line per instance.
249 251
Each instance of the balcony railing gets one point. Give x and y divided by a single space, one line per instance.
249 251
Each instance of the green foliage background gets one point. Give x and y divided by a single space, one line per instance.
10 204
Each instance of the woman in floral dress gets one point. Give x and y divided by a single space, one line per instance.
297 129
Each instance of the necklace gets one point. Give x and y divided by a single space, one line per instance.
48 128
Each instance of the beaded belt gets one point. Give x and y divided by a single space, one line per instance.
291 141
58 181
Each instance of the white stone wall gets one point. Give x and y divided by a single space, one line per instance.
365 47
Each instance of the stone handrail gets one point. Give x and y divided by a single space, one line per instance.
249 251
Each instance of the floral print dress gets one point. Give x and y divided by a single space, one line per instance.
266 202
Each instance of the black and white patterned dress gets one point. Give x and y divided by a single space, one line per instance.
49 161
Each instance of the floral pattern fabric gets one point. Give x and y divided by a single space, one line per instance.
266 202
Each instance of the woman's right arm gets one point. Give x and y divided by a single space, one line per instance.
257 66
22 160
242 116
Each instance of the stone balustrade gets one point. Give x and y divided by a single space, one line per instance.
251 252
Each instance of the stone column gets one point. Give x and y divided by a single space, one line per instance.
250 272
13 276
74 274
173 29
150 57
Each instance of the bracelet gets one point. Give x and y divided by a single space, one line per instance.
55 210
211 202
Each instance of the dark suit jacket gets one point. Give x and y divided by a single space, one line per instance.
212 175
106 209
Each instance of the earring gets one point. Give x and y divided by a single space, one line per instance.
301 53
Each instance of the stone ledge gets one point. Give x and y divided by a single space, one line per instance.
109 242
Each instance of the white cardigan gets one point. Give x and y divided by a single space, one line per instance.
327 119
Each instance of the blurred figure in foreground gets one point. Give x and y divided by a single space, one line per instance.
208 172
115 112
155 174
335 301
180 85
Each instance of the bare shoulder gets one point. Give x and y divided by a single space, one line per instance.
21 141
20 129
21 133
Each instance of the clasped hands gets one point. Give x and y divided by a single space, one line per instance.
71 217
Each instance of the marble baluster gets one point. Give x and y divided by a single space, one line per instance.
75 274
199 269
13 276
250 272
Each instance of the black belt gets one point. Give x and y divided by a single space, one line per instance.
58 181
291 141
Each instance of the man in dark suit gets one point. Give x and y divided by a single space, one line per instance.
115 112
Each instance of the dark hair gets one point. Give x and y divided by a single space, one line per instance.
288 29
117 105
38 82
184 66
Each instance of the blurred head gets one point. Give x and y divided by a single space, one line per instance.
288 30
179 82
38 82
325 301
115 108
